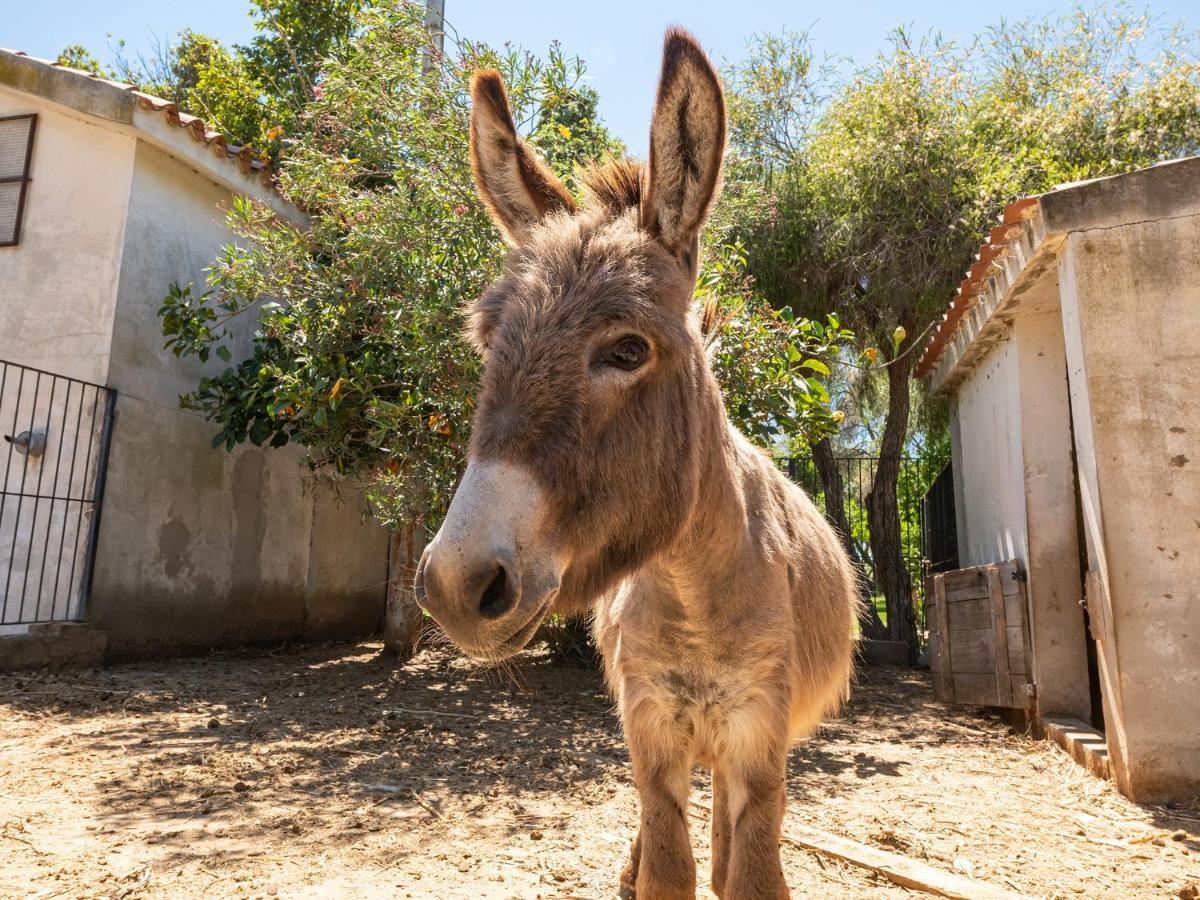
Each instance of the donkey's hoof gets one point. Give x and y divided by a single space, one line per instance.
628 890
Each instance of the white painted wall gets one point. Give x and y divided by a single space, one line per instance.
58 286
990 487
197 546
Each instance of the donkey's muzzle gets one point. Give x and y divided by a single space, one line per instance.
488 577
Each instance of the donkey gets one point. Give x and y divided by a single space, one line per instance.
604 476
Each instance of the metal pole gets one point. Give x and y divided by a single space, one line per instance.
435 24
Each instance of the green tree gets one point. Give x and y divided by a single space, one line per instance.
76 56
569 133
871 190
358 356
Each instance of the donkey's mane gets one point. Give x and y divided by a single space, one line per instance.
614 184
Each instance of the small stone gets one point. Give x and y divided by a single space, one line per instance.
535 835
213 723
241 787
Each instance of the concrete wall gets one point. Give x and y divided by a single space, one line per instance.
58 286
198 546
1131 313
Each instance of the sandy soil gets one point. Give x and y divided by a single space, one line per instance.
328 771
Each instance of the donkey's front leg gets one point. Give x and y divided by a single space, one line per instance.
662 866
755 797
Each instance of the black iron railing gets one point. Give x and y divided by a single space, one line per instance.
53 458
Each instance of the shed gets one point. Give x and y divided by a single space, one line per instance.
125 524
1071 361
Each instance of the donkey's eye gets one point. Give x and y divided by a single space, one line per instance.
628 353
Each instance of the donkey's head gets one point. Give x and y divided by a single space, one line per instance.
596 395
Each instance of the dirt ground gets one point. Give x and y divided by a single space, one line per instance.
329 771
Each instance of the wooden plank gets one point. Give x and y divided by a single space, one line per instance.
977 612
943 682
1097 607
901 870
981 690
974 650
967 584
1000 626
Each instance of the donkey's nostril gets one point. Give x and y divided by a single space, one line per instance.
498 597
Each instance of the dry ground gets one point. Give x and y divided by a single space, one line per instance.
328 771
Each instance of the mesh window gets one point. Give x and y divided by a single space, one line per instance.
16 146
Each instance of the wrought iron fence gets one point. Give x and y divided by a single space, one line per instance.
857 475
56 436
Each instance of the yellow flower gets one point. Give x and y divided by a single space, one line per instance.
871 354
564 131
839 416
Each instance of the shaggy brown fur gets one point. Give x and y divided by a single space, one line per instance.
605 476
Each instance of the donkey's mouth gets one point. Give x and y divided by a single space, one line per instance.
518 640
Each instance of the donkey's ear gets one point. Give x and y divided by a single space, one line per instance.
515 185
687 144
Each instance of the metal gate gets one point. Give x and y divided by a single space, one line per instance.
857 474
56 435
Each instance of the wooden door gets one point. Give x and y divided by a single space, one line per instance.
979 636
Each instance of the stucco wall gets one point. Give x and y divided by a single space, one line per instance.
989 483
58 286
1131 311
198 546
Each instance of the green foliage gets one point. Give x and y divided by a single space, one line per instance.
569 133
874 187
358 355
773 367
76 56
254 94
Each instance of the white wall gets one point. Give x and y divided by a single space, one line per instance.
58 286
196 546
199 546
990 486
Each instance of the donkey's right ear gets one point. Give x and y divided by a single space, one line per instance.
517 187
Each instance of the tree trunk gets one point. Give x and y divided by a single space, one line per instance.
403 620
835 511
883 512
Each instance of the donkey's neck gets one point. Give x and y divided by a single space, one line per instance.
696 566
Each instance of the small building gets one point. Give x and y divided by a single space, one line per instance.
116 510
1071 361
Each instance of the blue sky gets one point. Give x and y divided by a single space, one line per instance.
622 60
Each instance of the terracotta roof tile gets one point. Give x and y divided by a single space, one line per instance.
245 158
997 246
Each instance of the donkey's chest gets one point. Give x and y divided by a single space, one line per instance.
675 677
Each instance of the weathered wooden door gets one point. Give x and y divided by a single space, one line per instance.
979 636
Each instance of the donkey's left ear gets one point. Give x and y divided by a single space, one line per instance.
687 145
515 185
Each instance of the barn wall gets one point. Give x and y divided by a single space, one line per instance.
58 286
987 456
1131 312
1015 492
199 546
